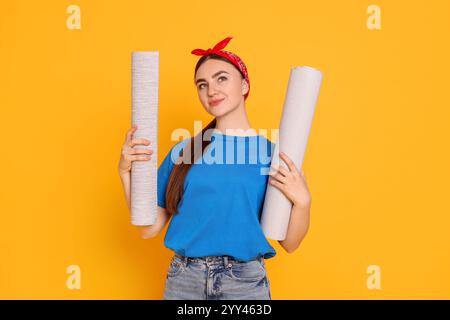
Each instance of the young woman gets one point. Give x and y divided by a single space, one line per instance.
216 206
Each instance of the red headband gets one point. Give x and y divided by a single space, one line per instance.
233 58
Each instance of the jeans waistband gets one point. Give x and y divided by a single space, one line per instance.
225 259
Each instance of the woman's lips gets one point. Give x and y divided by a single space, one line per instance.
215 103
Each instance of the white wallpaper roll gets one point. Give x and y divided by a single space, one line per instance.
145 79
298 111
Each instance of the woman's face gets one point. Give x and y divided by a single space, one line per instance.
219 80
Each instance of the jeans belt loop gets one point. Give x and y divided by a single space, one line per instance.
225 261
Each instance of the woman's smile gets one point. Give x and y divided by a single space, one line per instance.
214 103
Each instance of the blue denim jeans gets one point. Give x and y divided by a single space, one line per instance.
216 278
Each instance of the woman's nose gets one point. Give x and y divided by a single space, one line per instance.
211 89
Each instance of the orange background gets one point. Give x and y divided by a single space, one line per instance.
376 163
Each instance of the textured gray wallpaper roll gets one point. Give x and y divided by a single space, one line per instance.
145 79
297 115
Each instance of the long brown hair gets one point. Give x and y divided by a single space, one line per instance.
175 186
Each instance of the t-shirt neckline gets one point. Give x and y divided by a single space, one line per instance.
233 137
218 133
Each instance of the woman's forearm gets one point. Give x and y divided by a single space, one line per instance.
125 177
298 227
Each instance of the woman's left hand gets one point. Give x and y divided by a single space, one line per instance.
291 183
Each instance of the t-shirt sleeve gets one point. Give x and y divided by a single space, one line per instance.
270 150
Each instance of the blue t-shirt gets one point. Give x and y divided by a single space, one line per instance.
220 210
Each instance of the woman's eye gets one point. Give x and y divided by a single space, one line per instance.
200 85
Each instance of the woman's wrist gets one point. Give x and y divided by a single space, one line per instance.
124 173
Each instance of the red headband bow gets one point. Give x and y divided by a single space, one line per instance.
233 58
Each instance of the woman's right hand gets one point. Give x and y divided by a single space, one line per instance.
129 154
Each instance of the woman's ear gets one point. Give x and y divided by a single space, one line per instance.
244 87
